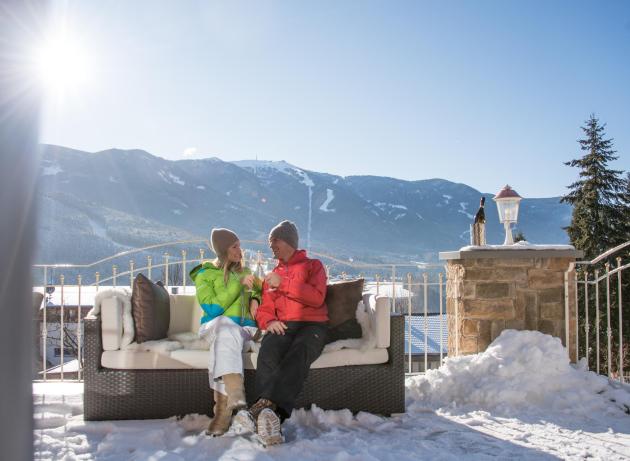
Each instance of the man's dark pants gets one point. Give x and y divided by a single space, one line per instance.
284 361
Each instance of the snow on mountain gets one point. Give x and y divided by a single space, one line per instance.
51 170
520 399
330 196
462 209
176 179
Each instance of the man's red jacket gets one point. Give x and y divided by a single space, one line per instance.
299 297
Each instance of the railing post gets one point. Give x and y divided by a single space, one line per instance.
166 270
577 317
79 334
587 324
184 271
566 310
114 274
621 378
61 322
409 309
426 321
201 254
131 268
97 279
608 329
259 270
597 317
149 266
441 281
393 288
45 321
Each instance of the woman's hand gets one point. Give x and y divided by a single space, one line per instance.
248 281
253 307
276 327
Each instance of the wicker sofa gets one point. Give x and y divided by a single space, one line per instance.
133 384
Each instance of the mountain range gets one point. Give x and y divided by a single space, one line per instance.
93 205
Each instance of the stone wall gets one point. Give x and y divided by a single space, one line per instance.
487 295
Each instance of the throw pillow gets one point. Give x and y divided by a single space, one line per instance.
150 306
342 299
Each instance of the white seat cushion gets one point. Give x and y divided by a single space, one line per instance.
182 358
346 357
139 360
199 359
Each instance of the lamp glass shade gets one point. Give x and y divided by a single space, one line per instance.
508 209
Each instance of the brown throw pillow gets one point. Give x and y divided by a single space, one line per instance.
150 307
342 299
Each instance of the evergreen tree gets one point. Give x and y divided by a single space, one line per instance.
519 237
626 197
599 220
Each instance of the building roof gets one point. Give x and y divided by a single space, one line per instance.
386 289
433 334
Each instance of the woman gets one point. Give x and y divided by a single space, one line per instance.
229 297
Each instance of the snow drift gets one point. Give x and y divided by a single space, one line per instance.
520 370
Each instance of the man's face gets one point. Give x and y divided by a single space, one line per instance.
281 249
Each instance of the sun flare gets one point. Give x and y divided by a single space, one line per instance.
62 64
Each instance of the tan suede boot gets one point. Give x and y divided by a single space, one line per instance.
235 391
222 416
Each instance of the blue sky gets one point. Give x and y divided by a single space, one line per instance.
479 92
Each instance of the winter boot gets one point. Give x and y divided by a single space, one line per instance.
235 391
243 423
259 406
222 416
268 428
245 420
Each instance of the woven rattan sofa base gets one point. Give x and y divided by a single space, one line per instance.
111 394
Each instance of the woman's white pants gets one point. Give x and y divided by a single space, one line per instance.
227 342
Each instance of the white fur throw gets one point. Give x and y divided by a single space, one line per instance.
124 295
365 342
159 346
190 341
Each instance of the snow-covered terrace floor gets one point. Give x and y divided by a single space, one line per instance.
501 404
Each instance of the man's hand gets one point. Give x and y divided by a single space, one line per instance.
276 327
273 280
248 281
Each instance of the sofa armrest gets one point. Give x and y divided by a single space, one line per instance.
93 346
382 319
111 323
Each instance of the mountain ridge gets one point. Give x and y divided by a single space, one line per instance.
356 214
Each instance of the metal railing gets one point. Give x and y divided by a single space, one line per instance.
599 299
417 294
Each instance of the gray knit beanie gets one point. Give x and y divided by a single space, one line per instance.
286 231
222 239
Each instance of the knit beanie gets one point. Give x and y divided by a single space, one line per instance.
286 231
222 239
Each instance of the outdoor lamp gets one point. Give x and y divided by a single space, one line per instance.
507 203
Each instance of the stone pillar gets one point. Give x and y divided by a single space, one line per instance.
490 289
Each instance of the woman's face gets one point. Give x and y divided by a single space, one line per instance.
234 254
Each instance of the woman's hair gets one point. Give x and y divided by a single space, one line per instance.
228 266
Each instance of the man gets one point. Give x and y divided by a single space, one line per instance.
295 316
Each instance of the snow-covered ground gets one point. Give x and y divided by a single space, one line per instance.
520 399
